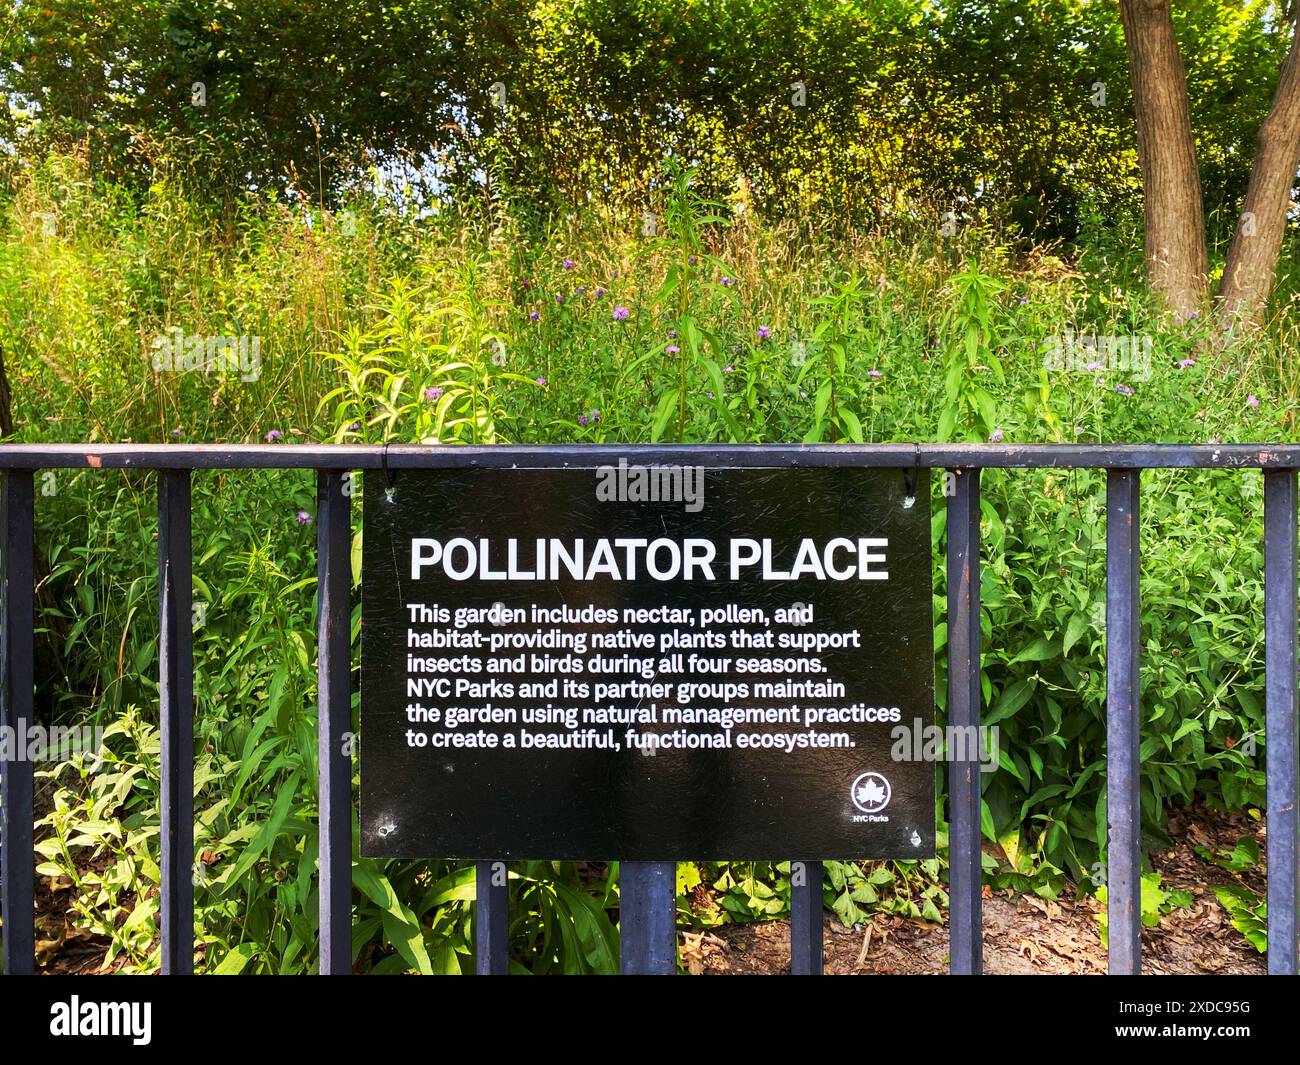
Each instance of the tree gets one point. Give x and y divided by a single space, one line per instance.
1174 214
1257 241
1175 227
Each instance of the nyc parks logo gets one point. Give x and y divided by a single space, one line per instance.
870 793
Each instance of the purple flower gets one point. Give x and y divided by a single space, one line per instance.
1093 366
1252 400
581 290
995 437
567 264
539 381
599 292
727 282
525 283
432 394
1193 316
690 261
1024 300
582 419
274 434
595 415
176 433
764 332
1184 363
672 349
355 427
709 393
303 517
728 369
672 334
620 312
1124 390
534 315
559 299
874 373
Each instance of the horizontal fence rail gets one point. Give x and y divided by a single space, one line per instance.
648 889
585 456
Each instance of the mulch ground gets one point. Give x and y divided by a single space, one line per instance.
1022 934
1026 935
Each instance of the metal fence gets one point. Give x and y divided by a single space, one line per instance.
648 889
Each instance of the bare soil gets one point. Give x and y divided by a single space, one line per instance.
1026 935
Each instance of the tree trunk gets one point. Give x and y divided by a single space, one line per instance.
6 400
1252 257
1175 224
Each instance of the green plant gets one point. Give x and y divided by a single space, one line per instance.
101 837
431 373
970 351
1249 914
1155 903
688 275
1241 859
835 333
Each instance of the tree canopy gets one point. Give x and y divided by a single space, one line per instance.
874 107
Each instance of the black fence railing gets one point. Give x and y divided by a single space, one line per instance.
647 889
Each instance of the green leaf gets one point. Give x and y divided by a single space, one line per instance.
821 400
668 404
1012 699
265 835
401 926
236 960
1075 628
986 823
852 425
1038 651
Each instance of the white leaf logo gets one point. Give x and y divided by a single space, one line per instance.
870 793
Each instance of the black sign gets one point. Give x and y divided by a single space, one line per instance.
647 663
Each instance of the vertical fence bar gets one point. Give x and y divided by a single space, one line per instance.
1281 725
966 936
1123 733
806 955
491 919
17 865
648 918
176 696
334 719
